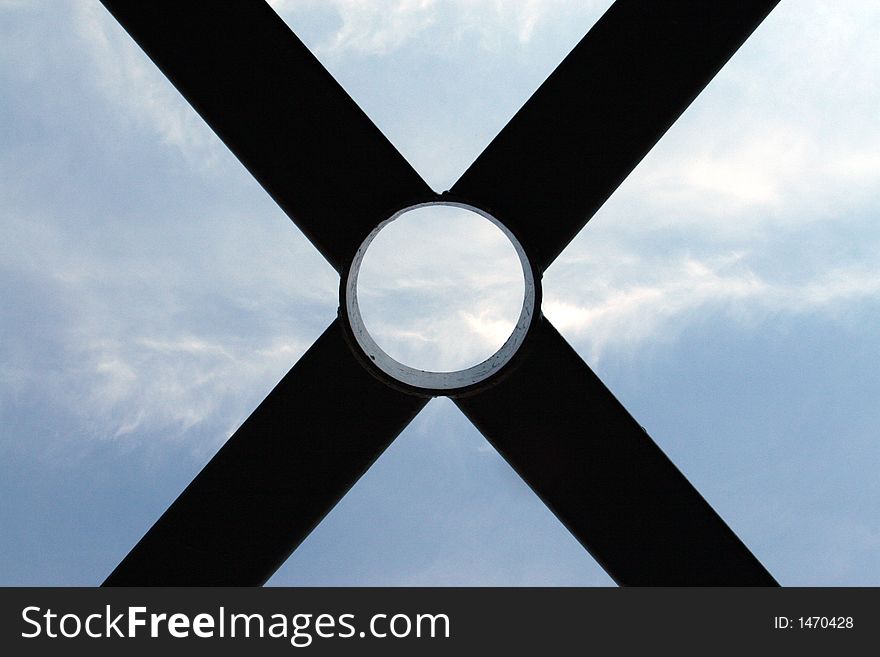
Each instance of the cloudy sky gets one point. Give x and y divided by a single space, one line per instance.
151 294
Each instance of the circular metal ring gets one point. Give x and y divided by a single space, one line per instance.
440 382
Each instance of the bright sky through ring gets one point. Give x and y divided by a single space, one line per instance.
441 288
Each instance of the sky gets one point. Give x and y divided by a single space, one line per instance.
440 288
151 293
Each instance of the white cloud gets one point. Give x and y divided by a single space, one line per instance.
607 304
379 27
16 5
782 136
754 204
729 179
440 288
376 27
169 386
136 334
139 91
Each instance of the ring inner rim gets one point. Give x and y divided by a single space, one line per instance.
430 380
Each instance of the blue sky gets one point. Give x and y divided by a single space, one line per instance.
152 294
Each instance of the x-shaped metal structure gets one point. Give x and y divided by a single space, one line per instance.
338 178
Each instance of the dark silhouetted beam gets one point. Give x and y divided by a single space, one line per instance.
281 113
599 113
567 436
290 462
